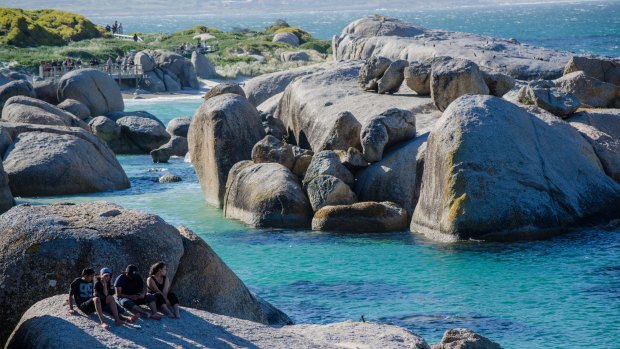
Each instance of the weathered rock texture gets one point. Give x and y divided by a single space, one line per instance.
203 66
53 160
15 88
45 247
496 171
462 338
326 190
6 197
223 132
602 129
397 177
271 149
34 111
266 195
41 325
361 217
93 88
327 110
394 39
454 77
384 130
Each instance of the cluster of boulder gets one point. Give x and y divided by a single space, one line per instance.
168 71
44 247
443 78
588 82
61 137
454 160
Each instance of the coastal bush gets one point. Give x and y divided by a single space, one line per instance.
44 27
322 46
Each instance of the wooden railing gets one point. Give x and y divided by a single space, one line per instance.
117 72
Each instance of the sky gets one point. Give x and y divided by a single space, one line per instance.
180 7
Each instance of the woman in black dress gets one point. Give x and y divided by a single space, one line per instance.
159 285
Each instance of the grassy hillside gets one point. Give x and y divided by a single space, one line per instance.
236 53
23 28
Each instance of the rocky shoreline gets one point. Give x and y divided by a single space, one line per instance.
497 141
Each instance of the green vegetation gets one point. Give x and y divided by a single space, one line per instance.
44 27
241 52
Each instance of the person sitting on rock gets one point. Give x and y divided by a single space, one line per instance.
104 291
81 292
159 285
131 293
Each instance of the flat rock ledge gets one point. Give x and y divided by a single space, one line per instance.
44 321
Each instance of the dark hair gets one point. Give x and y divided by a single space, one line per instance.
156 267
88 272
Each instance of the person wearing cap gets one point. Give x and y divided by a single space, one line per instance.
81 291
104 291
131 293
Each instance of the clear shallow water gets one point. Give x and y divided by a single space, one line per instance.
558 293
580 27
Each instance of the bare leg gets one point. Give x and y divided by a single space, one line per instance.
154 314
164 309
97 302
109 300
177 313
137 310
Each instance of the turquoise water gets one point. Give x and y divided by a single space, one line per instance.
580 27
559 293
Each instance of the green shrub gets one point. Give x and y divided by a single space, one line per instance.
44 27
322 46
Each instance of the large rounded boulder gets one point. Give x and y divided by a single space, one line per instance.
454 77
496 171
93 88
271 149
6 197
288 38
76 108
204 68
590 91
15 88
142 134
222 132
266 195
179 126
30 110
51 160
45 247
179 66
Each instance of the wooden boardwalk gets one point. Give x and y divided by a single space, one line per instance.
119 73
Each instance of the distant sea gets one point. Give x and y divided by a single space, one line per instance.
591 27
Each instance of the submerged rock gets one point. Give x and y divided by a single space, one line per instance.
223 132
495 171
170 178
176 146
266 195
362 217
462 338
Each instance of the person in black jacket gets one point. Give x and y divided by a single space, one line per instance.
105 292
131 293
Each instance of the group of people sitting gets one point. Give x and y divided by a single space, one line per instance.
95 293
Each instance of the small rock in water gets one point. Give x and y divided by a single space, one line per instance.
170 178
